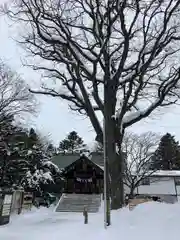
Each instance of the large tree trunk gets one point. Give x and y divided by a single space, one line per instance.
114 157
116 186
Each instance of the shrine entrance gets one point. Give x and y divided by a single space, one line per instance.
83 177
88 185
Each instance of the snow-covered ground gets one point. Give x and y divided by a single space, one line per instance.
149 221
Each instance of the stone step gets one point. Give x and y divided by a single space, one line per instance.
78 211
79 203
83 204
76 207
81 200
76 203
80 206
77 196
64 207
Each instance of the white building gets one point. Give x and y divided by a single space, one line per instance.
164 184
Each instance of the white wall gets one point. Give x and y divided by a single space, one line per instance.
161 185
178 190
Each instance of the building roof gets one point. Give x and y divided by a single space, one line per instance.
168 173
62 160
79 161
161 173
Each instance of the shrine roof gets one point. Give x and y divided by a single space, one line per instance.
62 160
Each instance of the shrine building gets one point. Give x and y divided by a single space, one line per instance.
83 174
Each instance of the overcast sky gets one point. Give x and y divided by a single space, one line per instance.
56 119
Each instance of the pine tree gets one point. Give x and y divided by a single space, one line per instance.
18 164
23 162
12 164
50 150
33 151
34 155
71 143
41 171
64 145
167 155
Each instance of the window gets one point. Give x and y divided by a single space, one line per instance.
145 181
177 181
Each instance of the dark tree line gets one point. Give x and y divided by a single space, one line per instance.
167 155
24 161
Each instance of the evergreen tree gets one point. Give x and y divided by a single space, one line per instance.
64 145
41 172
71 143
51 150
167 155
34 155
75 141
23 161
34 152
12 165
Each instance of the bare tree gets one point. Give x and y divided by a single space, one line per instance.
15 98
139 150
128 48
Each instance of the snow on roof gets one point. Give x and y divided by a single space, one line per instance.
85 153
167 173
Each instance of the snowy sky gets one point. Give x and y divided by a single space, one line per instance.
56 119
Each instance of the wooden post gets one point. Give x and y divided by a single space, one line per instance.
21 202
85 214
107 217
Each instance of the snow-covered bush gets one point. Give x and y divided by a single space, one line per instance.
34 180
51 166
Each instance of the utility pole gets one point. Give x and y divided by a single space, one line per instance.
107 214
107 220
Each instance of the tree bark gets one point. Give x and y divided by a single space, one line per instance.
115 159
117 186
131 194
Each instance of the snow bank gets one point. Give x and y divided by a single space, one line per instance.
149 221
